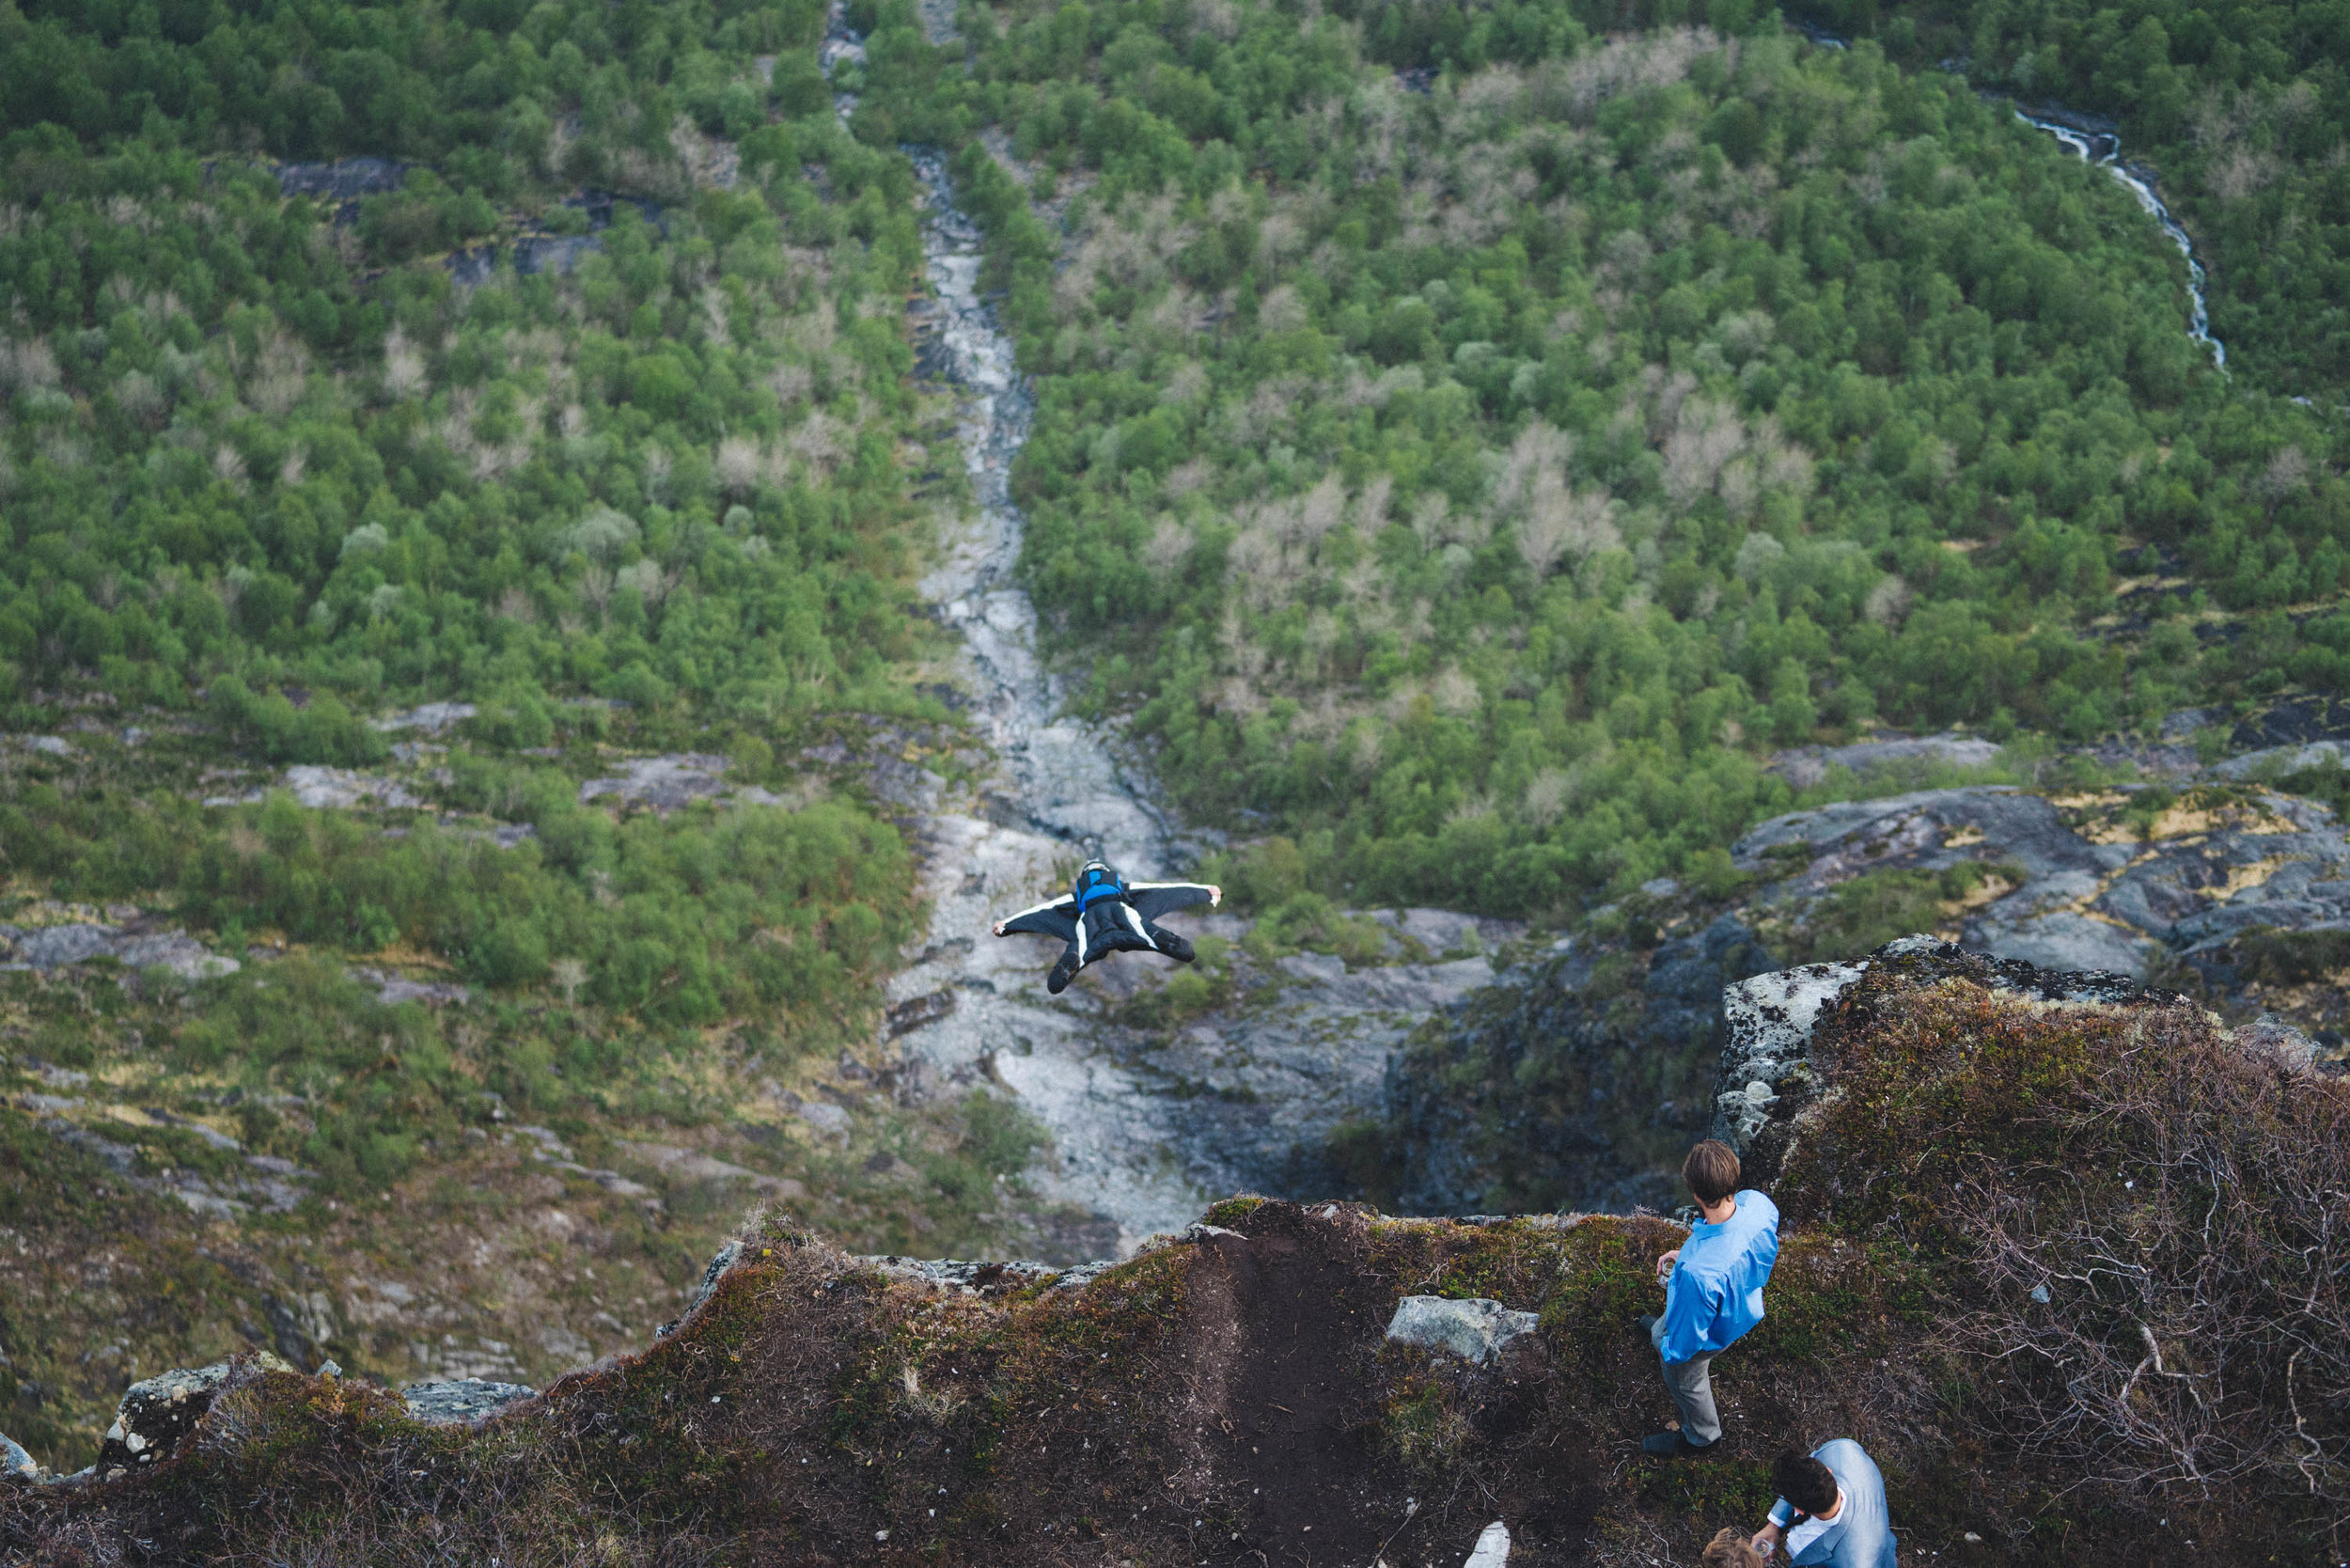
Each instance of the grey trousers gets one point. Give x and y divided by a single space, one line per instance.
1691 1385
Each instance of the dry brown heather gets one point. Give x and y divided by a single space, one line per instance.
2180 1191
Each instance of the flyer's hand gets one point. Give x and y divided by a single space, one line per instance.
1215 895
999 928
1766 1541
1665 1263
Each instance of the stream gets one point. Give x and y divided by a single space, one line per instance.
2102 147
2088 143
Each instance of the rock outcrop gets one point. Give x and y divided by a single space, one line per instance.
156 1416
2097 889
1577 1079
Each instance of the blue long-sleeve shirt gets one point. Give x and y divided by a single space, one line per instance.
1715 1292
1861 1535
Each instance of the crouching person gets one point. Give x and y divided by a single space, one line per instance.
1713 1292
1831 1510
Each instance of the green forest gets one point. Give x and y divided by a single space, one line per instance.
1470 485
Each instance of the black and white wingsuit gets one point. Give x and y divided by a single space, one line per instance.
1104 914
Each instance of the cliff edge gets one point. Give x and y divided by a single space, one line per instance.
2066 1254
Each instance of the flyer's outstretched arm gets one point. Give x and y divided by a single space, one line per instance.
1057 919
1152 900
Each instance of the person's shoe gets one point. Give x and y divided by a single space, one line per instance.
1177 948
1672 1445
1063 972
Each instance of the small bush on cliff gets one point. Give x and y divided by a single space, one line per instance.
2132 1222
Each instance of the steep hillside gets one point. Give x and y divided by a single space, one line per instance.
2061 1257
1463 463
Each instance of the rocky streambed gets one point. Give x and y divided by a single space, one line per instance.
1150 1118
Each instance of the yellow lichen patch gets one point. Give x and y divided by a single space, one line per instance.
2108 817
1990 889
2253 875
2093 800
1964 837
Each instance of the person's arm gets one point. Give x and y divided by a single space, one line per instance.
1056 919
1689 1312
1152 900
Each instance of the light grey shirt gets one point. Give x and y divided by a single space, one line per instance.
1861 1535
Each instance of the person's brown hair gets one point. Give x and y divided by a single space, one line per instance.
1711 1170
1731 1549
1804 1482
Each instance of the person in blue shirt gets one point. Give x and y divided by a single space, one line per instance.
1105 913
1831 1510
1713 1292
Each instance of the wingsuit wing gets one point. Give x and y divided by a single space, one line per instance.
1058 919
1152 900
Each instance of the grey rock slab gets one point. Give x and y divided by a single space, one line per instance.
119 1158
1931 828
49 946
1476 1330
692 1164
2065 941
2277 761
666 781
462 1401
175 952
827 1118
15 1462
1445 931
325 789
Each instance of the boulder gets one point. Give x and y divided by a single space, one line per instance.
15 1462
1476 1330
